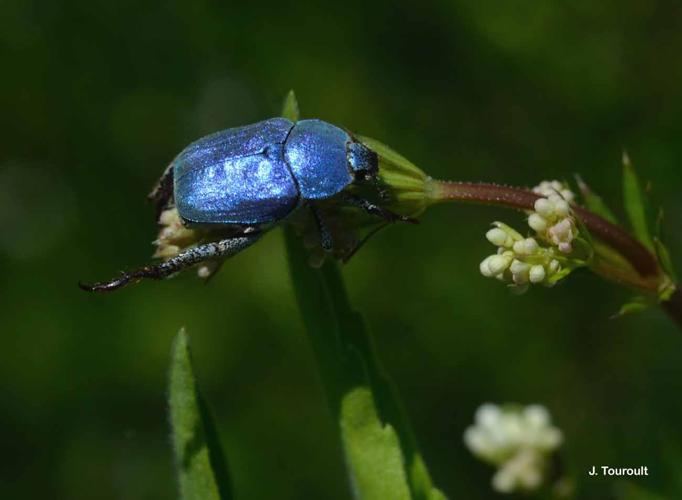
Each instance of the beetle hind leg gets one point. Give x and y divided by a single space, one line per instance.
215 250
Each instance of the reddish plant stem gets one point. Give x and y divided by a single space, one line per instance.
492 194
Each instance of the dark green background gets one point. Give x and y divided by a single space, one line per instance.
97 97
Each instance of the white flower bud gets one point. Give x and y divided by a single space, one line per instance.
487 415
499 263
544 207
554 267
536 415
547 188
519 267
567 195
537 274
561 208
550 439
526 247
554 197
562 234
497 237
503 482
169 217
537 222
514 235
485 270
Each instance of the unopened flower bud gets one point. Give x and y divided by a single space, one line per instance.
499 263
519 272
497 237
544 207
565 247
537 274
537 222
526 247
561 208
485 269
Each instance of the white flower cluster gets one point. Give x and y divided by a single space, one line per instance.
173 235
519 260
534 260
552 219
518 441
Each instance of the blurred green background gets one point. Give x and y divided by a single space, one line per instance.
96 98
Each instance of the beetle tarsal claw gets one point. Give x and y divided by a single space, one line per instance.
107 286
123 280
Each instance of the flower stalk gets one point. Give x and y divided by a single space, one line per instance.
618 256
493 194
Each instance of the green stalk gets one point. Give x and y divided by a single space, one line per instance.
380 450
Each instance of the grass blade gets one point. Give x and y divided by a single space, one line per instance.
200 463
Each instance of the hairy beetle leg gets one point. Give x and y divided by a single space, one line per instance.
374 209
215 250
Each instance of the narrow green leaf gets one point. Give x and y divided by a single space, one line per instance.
664 259
594 202
200 463
290 107
635 205
380 451
372 449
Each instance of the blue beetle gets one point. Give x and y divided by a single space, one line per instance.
241 181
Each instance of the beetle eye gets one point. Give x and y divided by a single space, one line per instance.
362 159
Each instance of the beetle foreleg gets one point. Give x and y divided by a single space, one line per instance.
163 191
215 250
374 209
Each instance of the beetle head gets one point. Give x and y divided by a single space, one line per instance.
363 161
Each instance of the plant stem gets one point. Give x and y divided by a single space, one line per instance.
646 274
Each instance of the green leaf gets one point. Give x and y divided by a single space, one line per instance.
381 454
594 202
635 204
664 259
290 107
380 451
200 463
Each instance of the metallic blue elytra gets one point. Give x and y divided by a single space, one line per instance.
260 173
316 153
